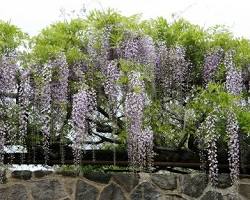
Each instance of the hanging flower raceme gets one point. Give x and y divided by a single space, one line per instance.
140 143
84 104
172 71
139 49
212 61
179 65
3 132
111 87
24 101
213 160
8 72
2 141
44 98
234 80
233 146
146 146
99 56
210 142
59 91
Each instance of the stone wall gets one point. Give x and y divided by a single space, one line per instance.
45 185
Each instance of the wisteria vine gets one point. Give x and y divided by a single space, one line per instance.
140 142
84 104
232 129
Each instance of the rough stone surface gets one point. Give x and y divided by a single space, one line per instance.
165 181
71 173
112 192
193 186
69 185
98 177
173 197
3 176
127 181
146 191
14 192
224 181
41 173
212 195
22 174
122 186
244 190
232 197
47 190
85 191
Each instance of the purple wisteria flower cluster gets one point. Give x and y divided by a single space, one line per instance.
8 72
234 80
139 49
24 102
211 64
3 131
172 69
233 146
111 87
210 141
44 97
59 91
84 104
50 97
140 142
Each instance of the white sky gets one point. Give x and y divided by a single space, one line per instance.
33 15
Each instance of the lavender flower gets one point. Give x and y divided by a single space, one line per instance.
140 142
45 109
233 145
8 71
111 87
212 61
84 103
24 101
59 90
139 49
210 141
234 80
172 71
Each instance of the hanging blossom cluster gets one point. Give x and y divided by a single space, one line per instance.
179 66
109 67
8 71
106 47
160 71
211 63
140 142
234 80
8 84
59 90
233 146
84 104
210 141
49 95
44 97
146 144
3 130
139 49
98 56
24 102
172 70
111 87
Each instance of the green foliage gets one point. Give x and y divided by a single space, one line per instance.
11 37
244 119
67 37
